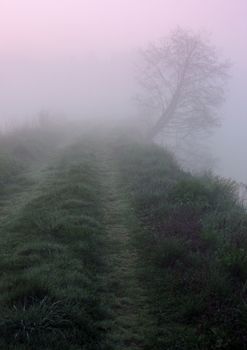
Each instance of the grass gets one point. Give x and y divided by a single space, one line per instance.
24 151
28 144
52 259
10 173
117 247
192 248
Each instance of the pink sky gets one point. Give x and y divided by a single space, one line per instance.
47 28
47 47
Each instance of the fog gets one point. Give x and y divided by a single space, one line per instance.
77 58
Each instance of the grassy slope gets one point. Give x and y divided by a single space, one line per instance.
51 259
118 250
193 250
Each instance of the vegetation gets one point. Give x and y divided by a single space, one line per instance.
111 245
51 259
192 249
9 169
183 81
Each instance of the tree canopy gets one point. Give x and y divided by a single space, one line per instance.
183 81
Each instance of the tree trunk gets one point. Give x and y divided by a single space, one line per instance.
166 117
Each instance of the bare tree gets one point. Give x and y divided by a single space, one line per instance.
183 81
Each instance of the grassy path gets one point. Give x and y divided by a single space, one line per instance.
128 296
78 271
121 291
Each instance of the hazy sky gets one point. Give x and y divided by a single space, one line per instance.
50 28
58 54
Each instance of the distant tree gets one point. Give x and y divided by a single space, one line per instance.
183 82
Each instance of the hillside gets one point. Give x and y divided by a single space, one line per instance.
106 243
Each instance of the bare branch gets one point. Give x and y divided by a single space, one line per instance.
185 79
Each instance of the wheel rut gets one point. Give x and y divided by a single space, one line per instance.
128 299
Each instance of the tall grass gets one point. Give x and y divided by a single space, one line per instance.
193 251
52 258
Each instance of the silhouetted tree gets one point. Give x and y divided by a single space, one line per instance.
184 84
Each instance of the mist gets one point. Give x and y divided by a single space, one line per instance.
77 59
123 181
